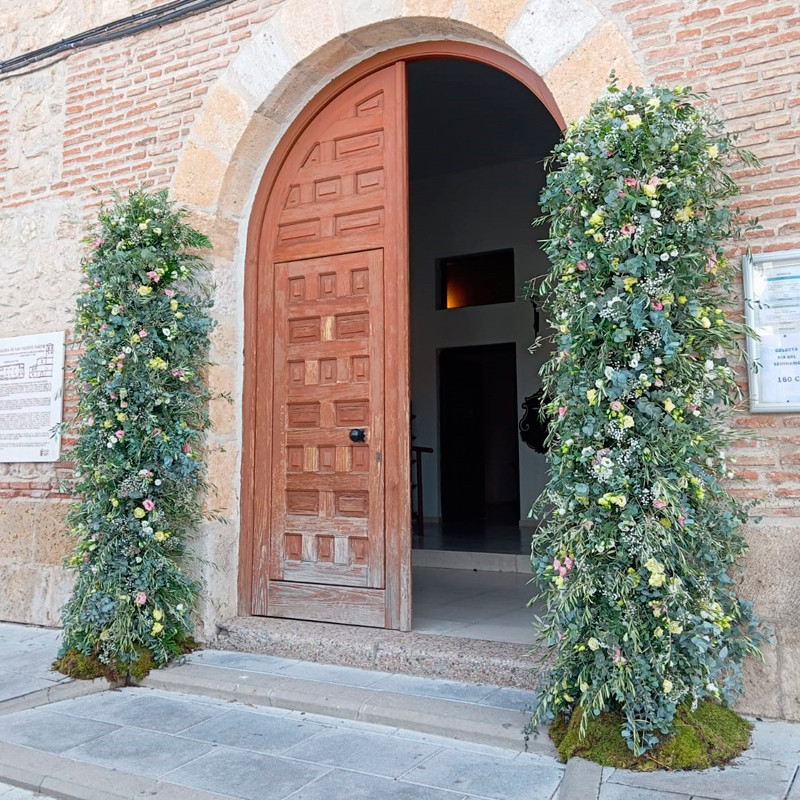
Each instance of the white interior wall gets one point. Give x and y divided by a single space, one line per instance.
484 209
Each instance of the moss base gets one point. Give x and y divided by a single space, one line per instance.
76 665
708 737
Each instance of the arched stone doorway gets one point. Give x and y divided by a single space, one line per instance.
326 529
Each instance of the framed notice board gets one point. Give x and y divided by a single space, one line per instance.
772 303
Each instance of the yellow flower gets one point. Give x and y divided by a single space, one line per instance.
158 614
599 238
593 644
627 421
633 121
705 322
669 406
675 627
591 396
173 304
654 103
657 579
584 686
107 423
650 191
713 151
596 218
161 536
114 502
683 299
179 315
139 513
684 214
157 363
666 686
157 628
658 633
145 290
581 158
629 282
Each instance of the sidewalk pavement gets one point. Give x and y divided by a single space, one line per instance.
209 744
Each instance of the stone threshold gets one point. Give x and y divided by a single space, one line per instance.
426 655
480 723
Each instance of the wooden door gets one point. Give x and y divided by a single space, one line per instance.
332 512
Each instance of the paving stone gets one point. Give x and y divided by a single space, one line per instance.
352 786
252 776
745 778
248 662
331 673
365 752
254 731
511 698
429 687
776 739
13 684
488 777
53 733
96 706
157 713
610 791
138 751
8 792
469 747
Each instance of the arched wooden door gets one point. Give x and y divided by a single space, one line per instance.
331 519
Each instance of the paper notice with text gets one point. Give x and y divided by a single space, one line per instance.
31 386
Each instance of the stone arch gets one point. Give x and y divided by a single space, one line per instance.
300 50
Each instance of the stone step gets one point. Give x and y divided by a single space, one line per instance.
484 714
422 654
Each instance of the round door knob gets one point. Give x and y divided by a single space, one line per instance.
358 435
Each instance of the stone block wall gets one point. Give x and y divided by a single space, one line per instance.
198 106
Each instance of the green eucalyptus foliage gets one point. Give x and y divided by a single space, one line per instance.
143 328
641 538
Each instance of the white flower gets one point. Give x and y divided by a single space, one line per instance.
609 372
655 213
664 256
709 365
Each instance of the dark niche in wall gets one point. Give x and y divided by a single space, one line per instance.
477 279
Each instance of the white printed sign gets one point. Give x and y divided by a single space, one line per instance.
772 291
31 384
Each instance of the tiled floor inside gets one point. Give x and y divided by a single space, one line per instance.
478 536
475 605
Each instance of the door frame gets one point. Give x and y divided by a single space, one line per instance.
253 508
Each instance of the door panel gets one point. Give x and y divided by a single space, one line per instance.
327 509
331 325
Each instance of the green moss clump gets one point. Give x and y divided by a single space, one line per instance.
86 668
708 737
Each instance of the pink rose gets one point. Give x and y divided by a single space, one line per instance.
154 276
562 571
119 434
142 333
628 229
632 182
187 448
169 292
616 406
562 411
659 503
654 181
148 504
556 564
681 520
582 265
569 563
97 242
141 599
657 306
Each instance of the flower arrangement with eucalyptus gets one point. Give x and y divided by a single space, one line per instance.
636 555
143 327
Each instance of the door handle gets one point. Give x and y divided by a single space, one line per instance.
358 435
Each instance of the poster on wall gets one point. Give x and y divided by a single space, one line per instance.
31 385
772 298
